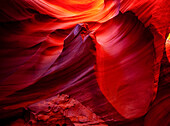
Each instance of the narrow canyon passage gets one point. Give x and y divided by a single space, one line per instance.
102 62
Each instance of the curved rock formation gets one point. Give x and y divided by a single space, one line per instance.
104 54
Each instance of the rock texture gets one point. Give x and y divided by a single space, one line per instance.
106 55
62 109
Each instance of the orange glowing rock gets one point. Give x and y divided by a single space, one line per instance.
167 46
